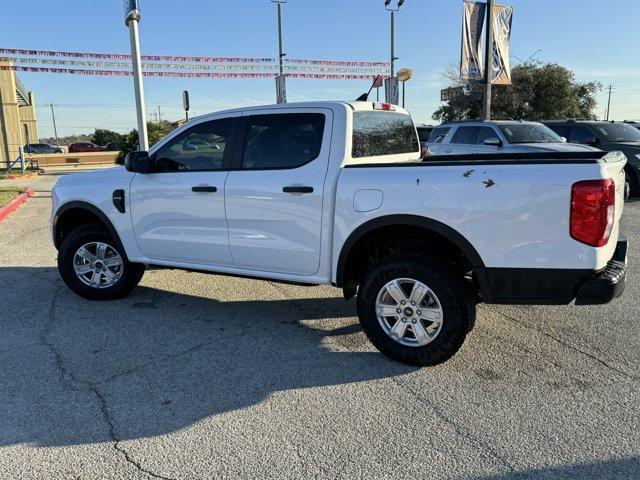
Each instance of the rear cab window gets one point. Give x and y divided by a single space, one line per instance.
383 134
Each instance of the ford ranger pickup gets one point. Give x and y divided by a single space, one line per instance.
337 193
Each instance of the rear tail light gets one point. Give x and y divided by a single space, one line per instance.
593 207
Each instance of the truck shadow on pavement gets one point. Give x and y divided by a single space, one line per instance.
77 372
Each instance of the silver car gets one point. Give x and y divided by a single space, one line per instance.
474 137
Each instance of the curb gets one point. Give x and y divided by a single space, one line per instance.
10 207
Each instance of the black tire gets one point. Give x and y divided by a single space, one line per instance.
131 272
458 309
632 179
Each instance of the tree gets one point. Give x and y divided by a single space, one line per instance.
538 92
103 136
155 131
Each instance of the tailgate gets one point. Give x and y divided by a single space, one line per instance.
613 166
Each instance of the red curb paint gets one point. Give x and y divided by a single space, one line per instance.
10 207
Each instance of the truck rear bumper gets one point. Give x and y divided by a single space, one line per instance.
609 283
522 286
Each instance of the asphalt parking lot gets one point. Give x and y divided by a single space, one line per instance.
201 376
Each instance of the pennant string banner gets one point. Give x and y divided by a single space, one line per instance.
126 73
186 66
182 59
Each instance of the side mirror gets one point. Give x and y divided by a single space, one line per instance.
563 139
594 142
493 142
138 162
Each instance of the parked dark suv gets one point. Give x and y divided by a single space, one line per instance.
608 136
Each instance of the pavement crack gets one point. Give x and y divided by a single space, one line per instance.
69 381
575 348
155 361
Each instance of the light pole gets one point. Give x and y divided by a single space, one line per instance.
391 84
281 88
393 10
488 66
131 18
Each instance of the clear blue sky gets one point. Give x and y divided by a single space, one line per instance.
597 39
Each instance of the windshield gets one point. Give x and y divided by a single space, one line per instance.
529 133
619 132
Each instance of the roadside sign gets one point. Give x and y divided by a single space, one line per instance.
131 10
281 89
391 90
185 101
405 74
378 82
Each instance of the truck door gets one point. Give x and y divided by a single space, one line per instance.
274 193
178 210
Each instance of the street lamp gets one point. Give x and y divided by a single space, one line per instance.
131 18
391 84
281 88
393 10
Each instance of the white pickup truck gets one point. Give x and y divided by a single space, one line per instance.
336 193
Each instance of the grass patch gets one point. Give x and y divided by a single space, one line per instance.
7 194
17 173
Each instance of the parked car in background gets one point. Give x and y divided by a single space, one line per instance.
336 193
35 148
82 147
476 136
424 131
607 136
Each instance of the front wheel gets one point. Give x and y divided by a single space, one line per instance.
95 266
414 310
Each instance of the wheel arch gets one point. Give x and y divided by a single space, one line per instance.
415 221
74 214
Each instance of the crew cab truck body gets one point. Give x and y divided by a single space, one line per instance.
336 193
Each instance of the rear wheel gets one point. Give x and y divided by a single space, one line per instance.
414 310
95 266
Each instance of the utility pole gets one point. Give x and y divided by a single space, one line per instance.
281 87
132 16
609 102
55 128
159 114
488 66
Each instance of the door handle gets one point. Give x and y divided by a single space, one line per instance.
296 189
204 188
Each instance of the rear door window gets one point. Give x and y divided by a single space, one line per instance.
378 133
282 141
465 135
438 134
